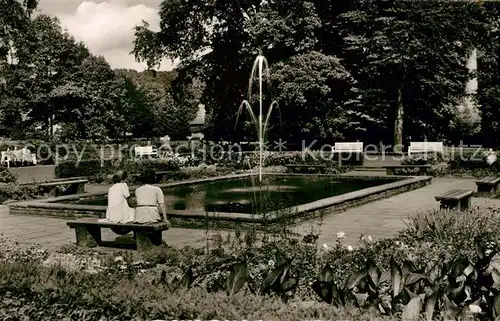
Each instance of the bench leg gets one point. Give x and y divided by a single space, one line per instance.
146 240
389 171
88 236
422 171
80 188
53 192
465 203
485 190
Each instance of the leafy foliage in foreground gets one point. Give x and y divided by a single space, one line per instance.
444 262
455 288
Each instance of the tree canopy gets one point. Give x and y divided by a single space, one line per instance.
52 81
399 71
340 70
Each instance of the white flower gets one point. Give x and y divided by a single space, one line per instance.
325 247
350 248
340 235
119 259
123 267
270 263
369 238
475 308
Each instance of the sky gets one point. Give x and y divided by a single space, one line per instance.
106 27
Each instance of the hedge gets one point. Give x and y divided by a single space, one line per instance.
96 169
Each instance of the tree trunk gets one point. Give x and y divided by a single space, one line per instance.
398 123
51 126
47 126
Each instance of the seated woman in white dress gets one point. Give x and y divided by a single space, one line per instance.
150 204
118 210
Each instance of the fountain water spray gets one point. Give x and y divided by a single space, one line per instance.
261 67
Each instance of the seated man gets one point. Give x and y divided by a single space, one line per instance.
150 201
118 210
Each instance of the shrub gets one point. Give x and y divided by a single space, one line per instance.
310 158
469 163
424 159
54 294
85 168
6 176
15 192
143 169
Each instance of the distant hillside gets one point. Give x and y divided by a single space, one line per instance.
152 80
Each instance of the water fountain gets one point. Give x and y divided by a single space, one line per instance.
236 199
261 67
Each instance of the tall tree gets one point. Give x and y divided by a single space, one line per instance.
489 76
50 80
225 37
312 88
14 33
414 53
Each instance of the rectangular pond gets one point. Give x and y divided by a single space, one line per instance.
246 195
239 200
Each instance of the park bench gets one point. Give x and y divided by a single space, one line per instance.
349 153
459 199
487 186
74 186
145 151
6 159
355 147
425 147
391 169
18 157
293 168
88 232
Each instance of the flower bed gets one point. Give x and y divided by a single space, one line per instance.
10 190
267 276
468 164
187 167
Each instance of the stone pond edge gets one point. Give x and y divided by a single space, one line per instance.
202 220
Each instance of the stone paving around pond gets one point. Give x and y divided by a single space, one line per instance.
381 218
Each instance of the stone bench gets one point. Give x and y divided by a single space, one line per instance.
292 168
163 176
75 186
88 232
459 199
422 169
487 186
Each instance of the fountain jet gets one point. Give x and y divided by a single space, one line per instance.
260 69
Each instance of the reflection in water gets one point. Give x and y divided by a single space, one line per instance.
259 189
